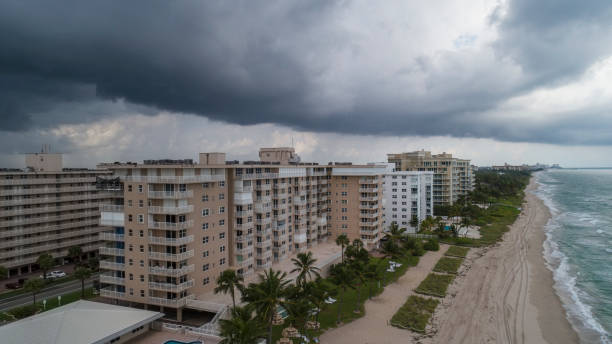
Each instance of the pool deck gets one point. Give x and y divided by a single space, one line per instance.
160 337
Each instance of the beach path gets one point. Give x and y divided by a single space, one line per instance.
373 327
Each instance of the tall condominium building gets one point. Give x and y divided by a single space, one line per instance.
47 209
178 224
452 178
407 195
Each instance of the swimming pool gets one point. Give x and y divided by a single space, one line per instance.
179 342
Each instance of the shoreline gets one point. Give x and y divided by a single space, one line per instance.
505 293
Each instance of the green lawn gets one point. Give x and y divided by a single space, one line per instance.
329 313
25 311
415 313
448 265
435 285
457 251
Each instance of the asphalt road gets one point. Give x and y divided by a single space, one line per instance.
47 293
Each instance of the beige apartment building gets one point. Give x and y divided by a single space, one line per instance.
46 208
453 177
178 224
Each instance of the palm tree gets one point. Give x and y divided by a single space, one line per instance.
317 292
267 295
358 243
242 327
358 269
228 281
374 272
34 286
342 240
342 276
3 272
75 253
395 232
82 273
304 264
414 222
45 261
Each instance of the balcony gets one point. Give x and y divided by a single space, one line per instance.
106 236
170 194
109 251
33 181
42 239
176 179
263 187
243 251
45 200
263 221
47 190
105 264
244 238
244 213
369 190
299 201
301 212
110 293
279 206
179 302
40 219
369 180
369 224
265 265
368 199
243 226
170 241
173 257
171 210
261 208
158 270
264 198
263 244
176 288
369 215
50 209
264 254
111 208
280 185
245 262
322 199
171 225
105 278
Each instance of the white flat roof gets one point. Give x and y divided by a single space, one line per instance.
80 322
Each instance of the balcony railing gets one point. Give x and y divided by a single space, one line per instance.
280 185
244 238
47 190
40 239
175 257
368 190
45 200
368 199
50 209
105 264
111 236
33 181
171 225
158 270
179 302
109 251
171 287
105 292
170 194
263 221
111 279
113 208
170 241
263 187
47 247
264 198
176 179
261 208
171 210
54 218
244 213
265 265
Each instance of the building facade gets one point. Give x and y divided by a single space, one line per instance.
176 225
46 208
452 177
407 195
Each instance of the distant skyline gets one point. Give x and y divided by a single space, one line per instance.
514 81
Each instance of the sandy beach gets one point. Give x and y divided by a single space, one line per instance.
503 294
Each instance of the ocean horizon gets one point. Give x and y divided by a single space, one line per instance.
578 246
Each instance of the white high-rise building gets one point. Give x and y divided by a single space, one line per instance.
407 194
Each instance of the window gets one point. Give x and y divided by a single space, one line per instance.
129 217
140 203
205 185
129 202
129 188
130 247
131 291
131 277
344 201
344 210
205 267
205 226
141 233
221 248
205 240
130 262
142 248
129 232
222 261
206 280
221 222
142 263
222 235
344 218
222 184
204 254
142 293
221 196
205 212
141 278
204 198
140 218
140 188
221 210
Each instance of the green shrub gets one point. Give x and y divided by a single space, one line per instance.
448 265
432 245
418 250
24 311
415 313
457 251
435 285
410 243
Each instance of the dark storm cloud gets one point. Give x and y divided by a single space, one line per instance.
242 62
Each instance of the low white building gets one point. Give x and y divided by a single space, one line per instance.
407 194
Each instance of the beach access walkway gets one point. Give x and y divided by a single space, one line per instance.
374 327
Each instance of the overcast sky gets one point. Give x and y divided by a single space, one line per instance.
495 81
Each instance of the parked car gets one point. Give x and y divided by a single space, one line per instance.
54 274
14 285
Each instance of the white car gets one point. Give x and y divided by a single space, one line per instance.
55 274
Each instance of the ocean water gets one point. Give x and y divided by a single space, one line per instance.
578 248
